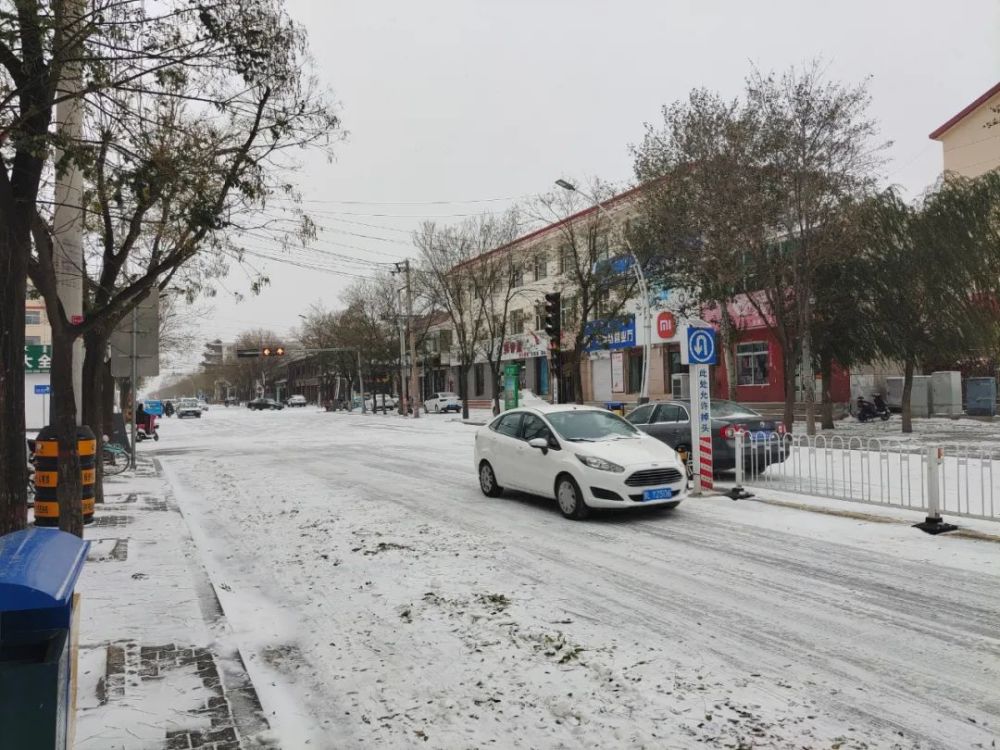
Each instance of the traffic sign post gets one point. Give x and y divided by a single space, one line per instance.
43 390
699 351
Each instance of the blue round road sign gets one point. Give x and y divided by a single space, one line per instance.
701 346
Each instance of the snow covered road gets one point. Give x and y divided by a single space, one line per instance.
380 600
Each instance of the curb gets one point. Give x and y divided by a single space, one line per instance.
872 518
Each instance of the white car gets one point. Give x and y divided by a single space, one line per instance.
202 404
446 401
583 457
188 407
296 400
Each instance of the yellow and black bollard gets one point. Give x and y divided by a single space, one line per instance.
47 475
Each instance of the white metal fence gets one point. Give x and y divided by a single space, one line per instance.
875 470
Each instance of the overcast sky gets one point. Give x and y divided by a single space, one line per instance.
452 104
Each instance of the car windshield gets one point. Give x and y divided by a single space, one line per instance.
591 425
730 409
449 395
189 402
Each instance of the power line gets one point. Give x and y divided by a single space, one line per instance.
465 201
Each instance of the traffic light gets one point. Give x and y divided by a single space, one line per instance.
553 324
272 351
553 328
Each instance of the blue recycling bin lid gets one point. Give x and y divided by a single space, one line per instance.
39 568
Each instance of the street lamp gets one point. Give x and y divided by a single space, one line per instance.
643 287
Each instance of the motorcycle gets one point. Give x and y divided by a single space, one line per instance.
877 408
146 427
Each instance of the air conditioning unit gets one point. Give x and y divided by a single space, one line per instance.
680 385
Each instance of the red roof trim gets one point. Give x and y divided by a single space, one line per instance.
965 113
613 200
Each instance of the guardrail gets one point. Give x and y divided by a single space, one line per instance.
879 471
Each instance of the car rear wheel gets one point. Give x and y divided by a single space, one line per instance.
488 481
570 498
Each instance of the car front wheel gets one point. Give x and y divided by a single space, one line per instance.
488 480
570 498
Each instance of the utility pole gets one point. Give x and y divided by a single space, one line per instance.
67 217
414 399
402 357
133 377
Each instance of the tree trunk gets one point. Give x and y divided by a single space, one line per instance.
463 388
808 382
728 350
94 381
826 373
13 458
788 358
578 361
495 369
68 490
907 392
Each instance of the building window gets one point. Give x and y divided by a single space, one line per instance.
541 266
516 322
32 317
752 363
566 264
539 316
518 276
634 384
32 339
444 341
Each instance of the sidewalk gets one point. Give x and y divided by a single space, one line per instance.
156 668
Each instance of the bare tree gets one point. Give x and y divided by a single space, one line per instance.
446 277
705 201
820 156
178 151
588 244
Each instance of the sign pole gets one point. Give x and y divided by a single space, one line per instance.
699 351
134 395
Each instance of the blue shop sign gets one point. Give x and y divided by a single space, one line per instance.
610 334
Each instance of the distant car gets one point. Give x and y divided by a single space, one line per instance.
443 402
187 407
670 421
261 404
581 456
202 404
297 400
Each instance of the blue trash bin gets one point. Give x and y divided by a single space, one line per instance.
618 407
39 569
981 397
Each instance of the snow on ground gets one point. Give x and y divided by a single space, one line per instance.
380 600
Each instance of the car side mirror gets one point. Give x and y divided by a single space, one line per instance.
541 443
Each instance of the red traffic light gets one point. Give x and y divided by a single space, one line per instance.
279 351
266 351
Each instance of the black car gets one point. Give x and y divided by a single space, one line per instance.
670 421
261 404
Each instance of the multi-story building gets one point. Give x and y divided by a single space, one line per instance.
612 362
37 362
970 140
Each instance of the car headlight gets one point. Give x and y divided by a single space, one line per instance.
599 463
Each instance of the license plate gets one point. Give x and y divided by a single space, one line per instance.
764 435
663 494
